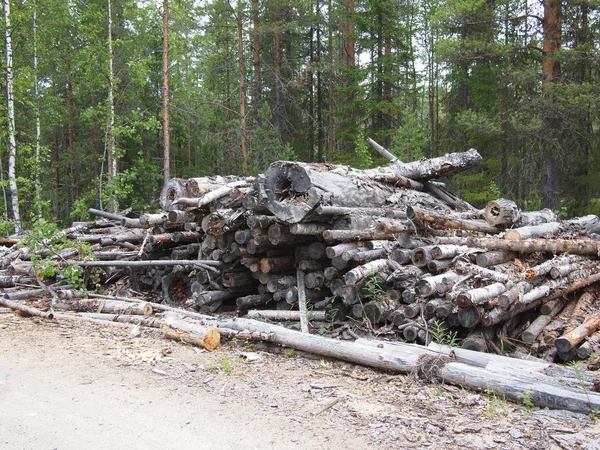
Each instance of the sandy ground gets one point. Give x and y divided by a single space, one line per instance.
67 385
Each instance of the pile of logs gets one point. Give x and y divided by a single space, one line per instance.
387 249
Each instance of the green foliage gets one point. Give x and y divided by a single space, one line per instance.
363 158
373 287
439 333
48 242
410 140
528 399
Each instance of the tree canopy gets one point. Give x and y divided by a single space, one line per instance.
251 82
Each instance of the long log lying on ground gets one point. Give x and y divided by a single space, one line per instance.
429 364
24 309
191 333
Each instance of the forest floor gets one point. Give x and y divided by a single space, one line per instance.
80 385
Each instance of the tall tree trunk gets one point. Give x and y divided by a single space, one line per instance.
228 143
71 133
36 94
320 136
244 144
256 65
387 81
277 75
330 77
165 93
12 143
110 136
552 30
311 96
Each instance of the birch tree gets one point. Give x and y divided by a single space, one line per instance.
12 143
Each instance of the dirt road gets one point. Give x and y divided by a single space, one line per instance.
67 385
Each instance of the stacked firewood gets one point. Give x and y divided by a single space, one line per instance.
387 249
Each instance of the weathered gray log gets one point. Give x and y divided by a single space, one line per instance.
308 229
397 166
481 295
552 229
24 309
477 340
208 298
337 250
250 301
105 214
371 268
405 273
292 294
237 279
447 251
547 266
314 280
532 332
502 212
421 256
280 234
577 247
444 221
436 285
283 315
151 263
369 255
295 189
409 295
106 306
377 310
154 219
531 218
493 258
278 282
389 226
566 269
445 165
342 210
15 280
331 236
465 268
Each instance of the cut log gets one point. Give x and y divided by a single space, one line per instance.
551 229
531 218
295 189
547 266
436 285
357 274
250 301
445 165
481 295
443 221
502 212
377 310
282 315
533 331
191 333
477 340
577 247
493 258
24 309
467 268
573 338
